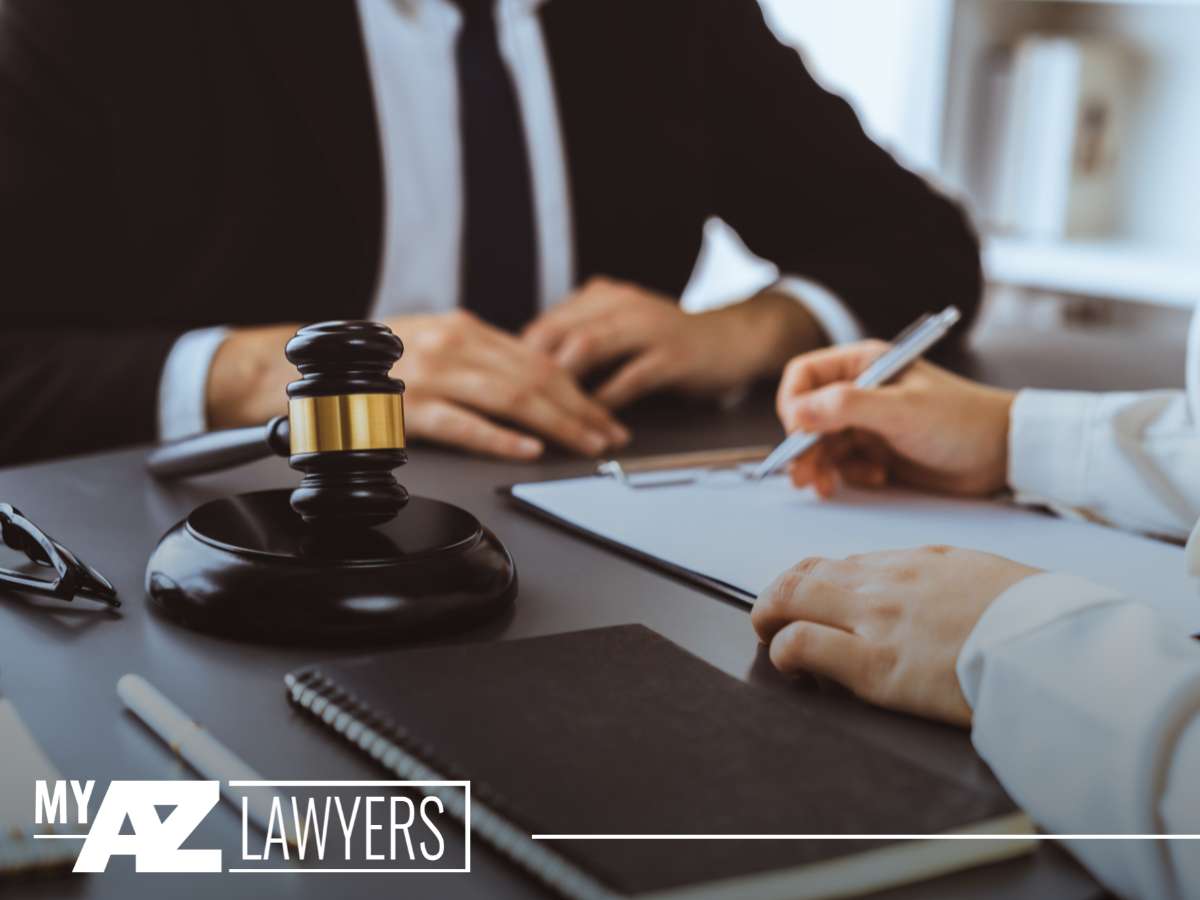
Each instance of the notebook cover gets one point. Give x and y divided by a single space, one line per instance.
617 730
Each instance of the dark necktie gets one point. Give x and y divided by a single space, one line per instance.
499 245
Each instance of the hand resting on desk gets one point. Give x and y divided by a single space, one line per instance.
467 384
657 345
889 626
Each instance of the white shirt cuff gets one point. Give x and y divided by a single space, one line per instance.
181 390
834 317
1086 709
1028 605
1047 442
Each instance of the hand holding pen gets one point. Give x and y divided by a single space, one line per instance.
925 427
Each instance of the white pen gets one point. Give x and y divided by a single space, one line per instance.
908 347
198 748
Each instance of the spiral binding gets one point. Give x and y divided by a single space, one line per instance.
401 753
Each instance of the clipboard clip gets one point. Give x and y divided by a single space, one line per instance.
670 469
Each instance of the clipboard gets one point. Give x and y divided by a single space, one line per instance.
647 473
729 535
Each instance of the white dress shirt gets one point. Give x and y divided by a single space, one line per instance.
410 54
1087 703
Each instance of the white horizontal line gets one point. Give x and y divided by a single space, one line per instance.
348 783
865 837
346 871
59 837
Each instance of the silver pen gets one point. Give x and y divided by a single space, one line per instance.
908 347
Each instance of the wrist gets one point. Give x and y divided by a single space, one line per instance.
247 377
761 334
999 403
233 365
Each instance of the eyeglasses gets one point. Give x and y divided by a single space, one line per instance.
73 578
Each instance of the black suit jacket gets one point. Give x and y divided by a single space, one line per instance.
168 164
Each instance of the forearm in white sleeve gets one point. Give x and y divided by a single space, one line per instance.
1087 707
834 317
1127 458
181 389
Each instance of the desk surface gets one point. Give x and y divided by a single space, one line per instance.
60 664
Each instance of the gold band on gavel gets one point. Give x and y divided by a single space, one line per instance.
346 422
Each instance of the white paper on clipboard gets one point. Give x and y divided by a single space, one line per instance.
744 533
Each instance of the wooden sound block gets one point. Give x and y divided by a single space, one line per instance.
249 567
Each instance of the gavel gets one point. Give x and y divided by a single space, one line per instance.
344 429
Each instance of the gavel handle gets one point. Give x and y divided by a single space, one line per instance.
218 450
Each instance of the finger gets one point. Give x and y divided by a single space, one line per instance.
818 468
826 483
502 393
526 407
548 330
452 424
826 366
516 372
868 461
564 391
635 379
868 445
803 469
862 473
549 419
545 333
820 473
838 445
596 343
841 454
809 647
840 406
806 591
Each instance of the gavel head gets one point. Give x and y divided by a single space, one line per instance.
346 416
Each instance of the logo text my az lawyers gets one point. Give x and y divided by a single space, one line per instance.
293 826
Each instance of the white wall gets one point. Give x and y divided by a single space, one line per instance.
886 56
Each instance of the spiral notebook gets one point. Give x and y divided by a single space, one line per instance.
618 731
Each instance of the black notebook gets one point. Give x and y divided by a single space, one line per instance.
619 731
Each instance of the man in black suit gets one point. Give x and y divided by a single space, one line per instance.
182 181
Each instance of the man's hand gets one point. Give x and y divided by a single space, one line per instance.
463 378
889 626
462 374
665 347
929 429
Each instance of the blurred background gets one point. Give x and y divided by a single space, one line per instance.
1070 129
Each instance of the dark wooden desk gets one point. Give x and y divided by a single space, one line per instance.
60 664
